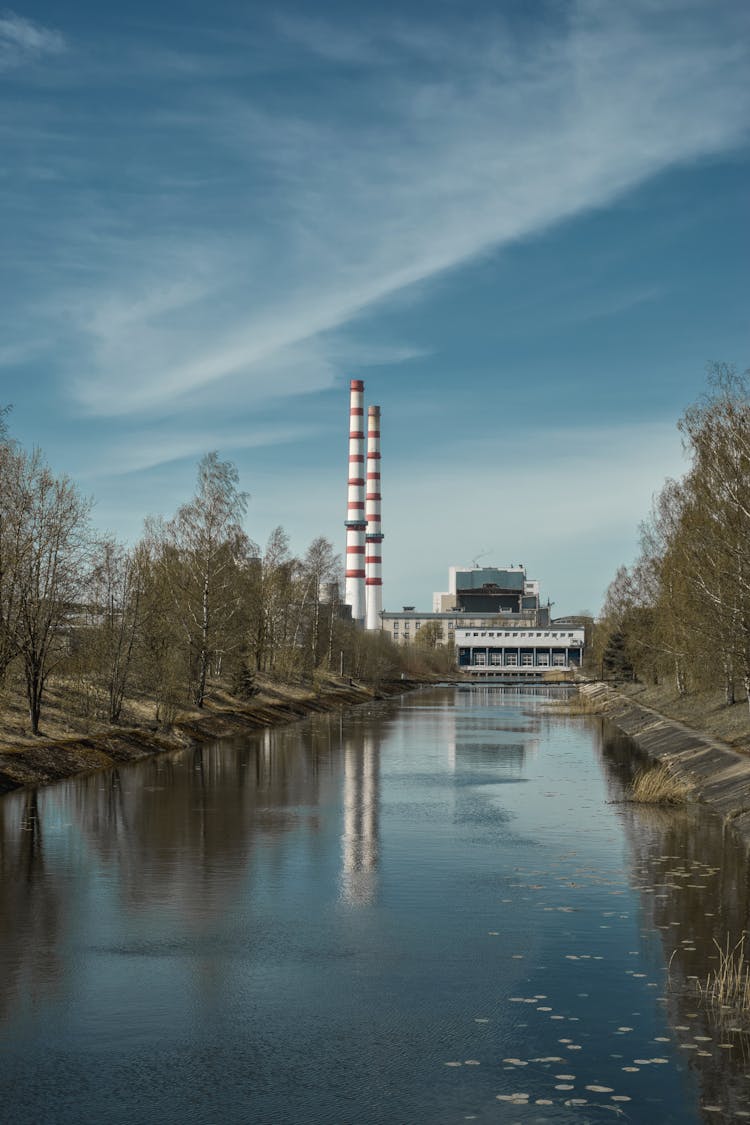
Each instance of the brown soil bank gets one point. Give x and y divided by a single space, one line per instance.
39 761
719 775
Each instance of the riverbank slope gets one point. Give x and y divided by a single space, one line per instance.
718 773
73 743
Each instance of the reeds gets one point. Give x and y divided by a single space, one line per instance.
577 704
655 785
728 986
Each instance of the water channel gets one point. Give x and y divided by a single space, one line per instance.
430 910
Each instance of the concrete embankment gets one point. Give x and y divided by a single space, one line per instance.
719 776
54 760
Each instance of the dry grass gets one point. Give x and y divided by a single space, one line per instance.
655 785
704 711
68 713
577 704
728 986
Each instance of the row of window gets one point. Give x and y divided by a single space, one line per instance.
451 625
463 624
512 636
527 659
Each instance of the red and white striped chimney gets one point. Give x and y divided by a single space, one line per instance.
355 511
374 538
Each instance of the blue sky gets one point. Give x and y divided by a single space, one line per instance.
523 224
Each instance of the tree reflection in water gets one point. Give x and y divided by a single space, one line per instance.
693 878
33 907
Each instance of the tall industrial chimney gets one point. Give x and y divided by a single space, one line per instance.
355 512
373 560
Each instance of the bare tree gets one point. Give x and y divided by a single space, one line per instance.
13 544
115 591
270 597
48 522
205 545
319 566
717 435
686 601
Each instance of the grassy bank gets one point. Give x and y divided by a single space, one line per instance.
703 711
73 740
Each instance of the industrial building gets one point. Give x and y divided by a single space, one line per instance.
488 589
477 597
491 615
522 652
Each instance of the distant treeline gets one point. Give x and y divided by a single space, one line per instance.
195 602
682 610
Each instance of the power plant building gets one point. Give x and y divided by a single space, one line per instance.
481 597
494 619
491 615
488 589
519 651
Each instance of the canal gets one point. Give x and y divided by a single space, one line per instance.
435 909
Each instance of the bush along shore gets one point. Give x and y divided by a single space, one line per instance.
75 745
716 774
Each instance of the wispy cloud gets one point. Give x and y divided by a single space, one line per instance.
158 447
549 501
22 41
326 209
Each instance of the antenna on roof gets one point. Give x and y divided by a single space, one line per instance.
481 555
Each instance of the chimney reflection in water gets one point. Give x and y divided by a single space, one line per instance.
360 844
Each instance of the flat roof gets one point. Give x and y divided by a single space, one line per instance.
458 613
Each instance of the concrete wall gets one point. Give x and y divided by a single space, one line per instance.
720 775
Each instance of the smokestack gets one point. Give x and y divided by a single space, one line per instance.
373 561
355 512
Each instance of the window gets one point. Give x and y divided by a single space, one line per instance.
527 658
511 659
496 658
480 657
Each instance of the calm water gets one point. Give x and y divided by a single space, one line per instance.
427 911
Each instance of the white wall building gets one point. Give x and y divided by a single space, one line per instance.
518 651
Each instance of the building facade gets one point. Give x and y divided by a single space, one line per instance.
402 627
494 619
486 597
488 589
487 652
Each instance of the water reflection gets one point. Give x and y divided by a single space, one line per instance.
402 914
692 876
360 846
32 908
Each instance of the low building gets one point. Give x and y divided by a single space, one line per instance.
520 652
402 627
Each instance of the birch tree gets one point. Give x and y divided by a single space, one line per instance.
319 566
116 595
717 436
204 549
47 520
270 596
13 543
